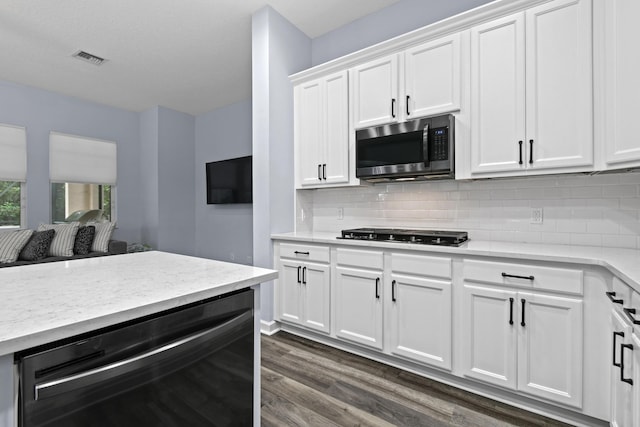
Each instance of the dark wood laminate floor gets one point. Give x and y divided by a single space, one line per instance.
308 384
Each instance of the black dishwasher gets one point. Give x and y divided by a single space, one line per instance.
191 366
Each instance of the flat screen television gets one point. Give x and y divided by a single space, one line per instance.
229 181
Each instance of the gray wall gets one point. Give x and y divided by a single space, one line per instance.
41 112
392 21
224 232
149 177
279 49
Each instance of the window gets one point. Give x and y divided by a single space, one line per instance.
83 176
13 174
81 202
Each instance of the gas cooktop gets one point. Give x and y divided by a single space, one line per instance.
424 237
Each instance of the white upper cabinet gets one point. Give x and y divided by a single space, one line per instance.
432 77
321 129
421 81
374 97
531 91
622 91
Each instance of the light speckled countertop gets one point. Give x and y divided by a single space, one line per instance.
624 263
45 302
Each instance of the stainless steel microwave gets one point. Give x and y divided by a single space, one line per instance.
416 149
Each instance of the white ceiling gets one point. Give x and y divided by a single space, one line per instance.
188 55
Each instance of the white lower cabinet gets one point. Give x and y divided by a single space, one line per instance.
304 287
519 339
621 372
359 306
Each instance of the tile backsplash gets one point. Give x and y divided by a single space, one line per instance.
592 210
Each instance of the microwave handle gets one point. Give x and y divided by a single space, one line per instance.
425 144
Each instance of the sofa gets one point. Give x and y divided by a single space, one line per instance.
58 242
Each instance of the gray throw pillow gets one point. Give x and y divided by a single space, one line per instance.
103 235
38 246
11 243
62 244
84 240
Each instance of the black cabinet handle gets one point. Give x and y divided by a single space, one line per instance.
631 314
299 267
301 253
324 171
520 161
319 172
518 277
393 291
616 334
377 288
511 311
304 275
408 97
393 108
622 378
531 151
523 324
611 296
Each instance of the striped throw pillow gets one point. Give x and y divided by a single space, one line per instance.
62 243
104 230
11 243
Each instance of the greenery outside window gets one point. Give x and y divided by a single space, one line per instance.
11 212
81 202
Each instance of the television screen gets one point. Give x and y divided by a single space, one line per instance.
229 181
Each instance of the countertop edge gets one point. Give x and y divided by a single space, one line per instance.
586 255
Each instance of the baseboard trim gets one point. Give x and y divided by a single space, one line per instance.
269 327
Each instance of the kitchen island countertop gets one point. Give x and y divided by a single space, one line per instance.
46 302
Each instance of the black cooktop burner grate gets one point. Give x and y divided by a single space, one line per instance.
424 237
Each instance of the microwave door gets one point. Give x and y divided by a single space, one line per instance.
425 146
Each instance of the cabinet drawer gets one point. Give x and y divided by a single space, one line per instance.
421 265
531 276
360 258
305 252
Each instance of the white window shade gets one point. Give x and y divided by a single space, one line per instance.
13 153
85 160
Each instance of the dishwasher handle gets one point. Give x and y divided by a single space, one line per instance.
103 373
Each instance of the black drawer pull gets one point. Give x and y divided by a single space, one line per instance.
531 152
304 275
393 108
622 378
611 296
518 277
523 304
631 314
408 113
324 171
301 253
616 334
511 311
299 267
520 161
319 172
393 291
377 288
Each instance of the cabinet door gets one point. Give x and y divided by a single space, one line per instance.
336 129
432 77
308 132
559 85
375 92
316 296
621 392
489 352
622 67
290 288
498 95
420 320
359 306
550 347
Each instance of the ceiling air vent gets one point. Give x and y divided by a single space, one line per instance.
86 56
